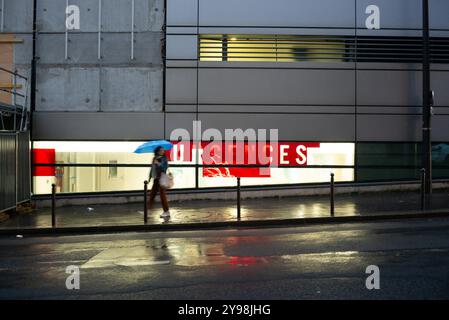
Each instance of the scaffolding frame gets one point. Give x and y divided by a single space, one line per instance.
17 109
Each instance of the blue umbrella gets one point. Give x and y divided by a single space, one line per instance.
150 146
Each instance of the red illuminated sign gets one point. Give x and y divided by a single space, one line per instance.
44 156
244 153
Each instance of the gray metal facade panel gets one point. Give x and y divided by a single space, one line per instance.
389 110
387 66
181 30
274 86
180 108
294 127
404 14
440 85
273 109
98 126
181 86
440 128
438 14
182 12
387 128
389 33
182 47
280 13
175 121
277 30
389 88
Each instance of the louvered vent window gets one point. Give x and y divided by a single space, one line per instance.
291 48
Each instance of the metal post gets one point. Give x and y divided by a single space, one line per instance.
423 189
33 87
332 195
238 199
53 203
14 98
132 28
99 30
145 203
24 109
66 41
426 112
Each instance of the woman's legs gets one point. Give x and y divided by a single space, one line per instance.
153 193
164 200
154 190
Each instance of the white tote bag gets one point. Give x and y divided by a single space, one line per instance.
166 180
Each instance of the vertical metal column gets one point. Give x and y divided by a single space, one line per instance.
423 189
24 108
33 88
224 53
53 204
16 173
66 41
132 28
426 112
238 199
99 29
332 195
145 200
14 98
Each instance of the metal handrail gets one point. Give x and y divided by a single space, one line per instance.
13 73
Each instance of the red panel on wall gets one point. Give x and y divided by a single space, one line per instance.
44 156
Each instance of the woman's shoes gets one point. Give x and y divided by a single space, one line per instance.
166 214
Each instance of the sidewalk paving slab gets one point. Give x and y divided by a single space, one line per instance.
223 213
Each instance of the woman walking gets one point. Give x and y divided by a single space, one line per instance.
159 166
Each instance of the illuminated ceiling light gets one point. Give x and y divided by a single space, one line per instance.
88 146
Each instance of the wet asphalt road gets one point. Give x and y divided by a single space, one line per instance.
311 262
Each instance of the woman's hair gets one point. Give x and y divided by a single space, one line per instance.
156 151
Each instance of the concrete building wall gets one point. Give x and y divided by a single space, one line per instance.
112 64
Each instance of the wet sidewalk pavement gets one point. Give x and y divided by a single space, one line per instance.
204 211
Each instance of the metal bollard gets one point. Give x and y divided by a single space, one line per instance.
423 189
238 199
145 202
332 194
53 204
